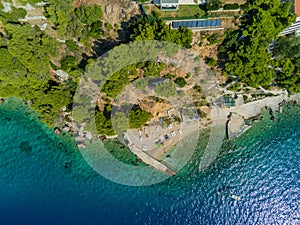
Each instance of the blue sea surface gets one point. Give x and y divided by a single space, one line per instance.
44 180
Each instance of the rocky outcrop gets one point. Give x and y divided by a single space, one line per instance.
235 125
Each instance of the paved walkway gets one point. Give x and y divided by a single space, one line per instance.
250 109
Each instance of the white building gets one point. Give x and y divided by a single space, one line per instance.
294 28
169 4
174 4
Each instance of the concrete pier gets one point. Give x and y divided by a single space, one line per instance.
151 161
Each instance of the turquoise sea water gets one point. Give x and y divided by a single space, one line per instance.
45 181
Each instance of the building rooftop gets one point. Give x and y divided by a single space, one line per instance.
229 102
196 23
226 101
297 7
169 1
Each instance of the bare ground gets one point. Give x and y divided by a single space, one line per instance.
114 11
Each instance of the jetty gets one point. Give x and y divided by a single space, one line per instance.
150 160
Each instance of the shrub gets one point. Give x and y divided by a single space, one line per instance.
141 84
188 75
180 81
108 26
213 5
156 13
169 76
211 61
71 45
69 63
165 89
201 114
235 87
213 39
152 69
197 88
245 97
231 6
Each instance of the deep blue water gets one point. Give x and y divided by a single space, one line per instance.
52 184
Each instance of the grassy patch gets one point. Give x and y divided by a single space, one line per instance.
184 11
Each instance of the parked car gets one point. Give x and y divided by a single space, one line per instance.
173 134
180 132
141 138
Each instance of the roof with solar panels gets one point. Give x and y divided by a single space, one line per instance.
194 24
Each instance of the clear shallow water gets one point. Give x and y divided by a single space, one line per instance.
50 183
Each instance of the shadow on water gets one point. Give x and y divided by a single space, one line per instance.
25 147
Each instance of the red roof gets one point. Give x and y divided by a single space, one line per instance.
297 7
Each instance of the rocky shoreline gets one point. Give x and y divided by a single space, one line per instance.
236 123
235 118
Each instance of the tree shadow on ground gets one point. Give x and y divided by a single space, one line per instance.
102 46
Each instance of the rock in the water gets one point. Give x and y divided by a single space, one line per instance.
25 147
2 100
57 131
67 165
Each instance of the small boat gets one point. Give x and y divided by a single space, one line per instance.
235 197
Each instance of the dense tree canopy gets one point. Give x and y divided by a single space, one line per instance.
244 51
115 84
58 13
82 22
103 121
144 29
138 117
288 61
287 47
87 14
109 123
31 47
26 53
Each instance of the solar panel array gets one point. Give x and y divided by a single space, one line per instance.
196 23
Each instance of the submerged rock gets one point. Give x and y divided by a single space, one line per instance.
25 147
67 165
2 100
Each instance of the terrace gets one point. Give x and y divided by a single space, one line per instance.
183 12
